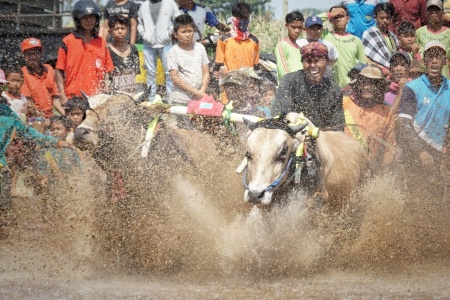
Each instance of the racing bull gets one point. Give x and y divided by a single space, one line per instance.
330 166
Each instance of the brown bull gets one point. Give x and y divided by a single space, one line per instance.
271 163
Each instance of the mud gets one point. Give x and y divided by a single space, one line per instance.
185 233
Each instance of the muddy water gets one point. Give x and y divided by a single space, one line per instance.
199 243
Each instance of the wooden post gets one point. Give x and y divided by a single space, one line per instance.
285 12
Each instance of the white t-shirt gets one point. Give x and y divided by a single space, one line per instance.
189 65
332 53
19 106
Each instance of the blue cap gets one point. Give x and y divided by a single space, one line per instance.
313 20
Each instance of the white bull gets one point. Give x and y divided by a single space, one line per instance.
271 160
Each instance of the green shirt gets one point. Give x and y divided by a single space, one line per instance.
350 50
288 57
423 36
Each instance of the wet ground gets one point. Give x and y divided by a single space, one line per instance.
384 244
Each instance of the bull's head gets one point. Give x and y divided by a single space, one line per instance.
270 156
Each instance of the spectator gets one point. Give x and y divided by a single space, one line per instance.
268 92
434 31
83 60
39 79
308 91
424 117
361 15
236 84
125 8
13 82
417 69
413 11
55 163
287 50
314 29
11 125
124 55
350 48
76 111
156 29
446 16
378 41
202 15
367 119
188 63
238 48
406 34
400 63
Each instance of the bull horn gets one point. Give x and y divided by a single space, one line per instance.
139 97
247 122
296 129
85 96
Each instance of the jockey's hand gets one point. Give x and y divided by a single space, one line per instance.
426 159
65 144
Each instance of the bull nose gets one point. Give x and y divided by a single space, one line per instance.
81 132
255 195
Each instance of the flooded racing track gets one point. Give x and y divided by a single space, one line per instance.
185 233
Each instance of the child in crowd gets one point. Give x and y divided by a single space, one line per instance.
238 48
368 120
314 29
16 100
399 75
83 60
268 92
434 30
417 69
55 163
39 79
406 34
378 41
76 111
202 15
287 51
350 48
188 63
125 8
125 57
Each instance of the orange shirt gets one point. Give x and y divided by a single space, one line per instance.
84 64
237 54
375 126
40 89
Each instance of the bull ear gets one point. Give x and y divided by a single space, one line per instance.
248 123
298 128
85 96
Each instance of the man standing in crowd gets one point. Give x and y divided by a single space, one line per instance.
361 15
424 115
308 91
126 8
155 25
414 11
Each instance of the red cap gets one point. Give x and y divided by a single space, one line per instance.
31 43
314 49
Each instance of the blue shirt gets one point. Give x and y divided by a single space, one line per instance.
10 121
361 13
429 108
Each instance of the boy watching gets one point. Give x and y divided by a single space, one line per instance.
83 60
406 34
314 29
287 51
76 111
13 82
125 8
349 47
238 48
202 15
399 75
434 30
378 41
39 79
125 56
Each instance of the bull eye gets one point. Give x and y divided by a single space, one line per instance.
283 154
